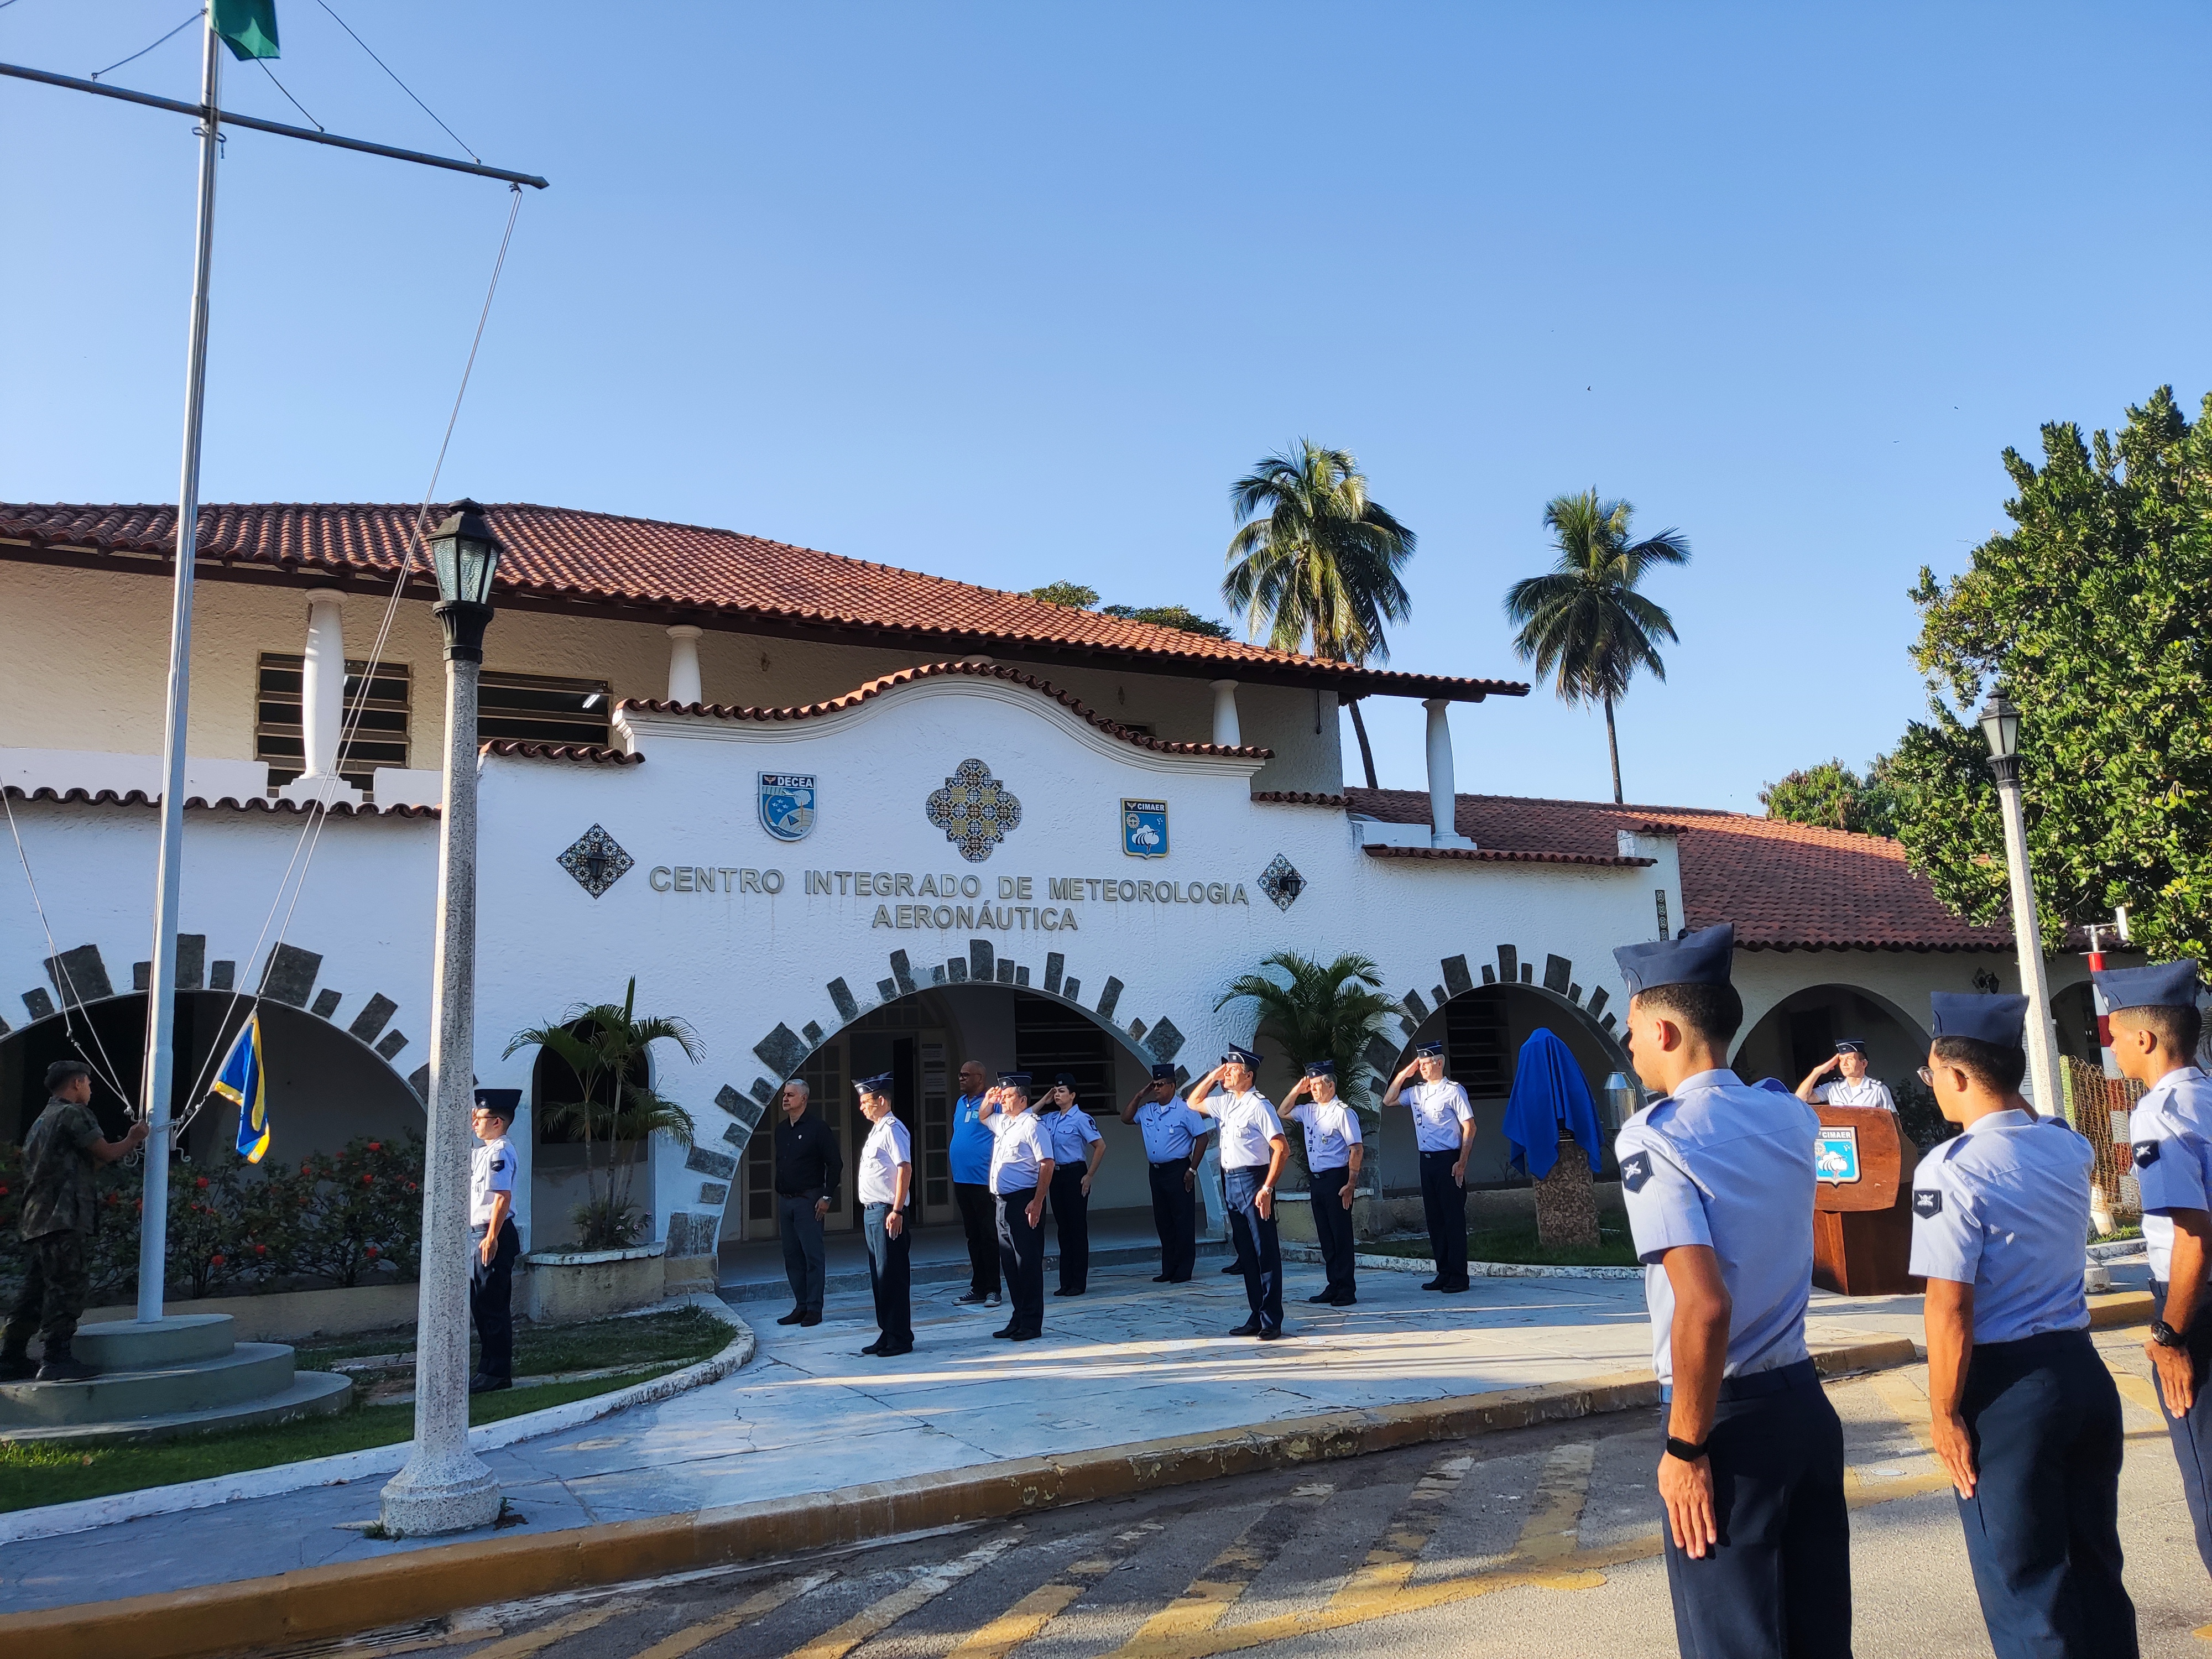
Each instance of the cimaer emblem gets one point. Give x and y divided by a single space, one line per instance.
1145 828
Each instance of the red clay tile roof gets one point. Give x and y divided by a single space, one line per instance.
563 559
876 688
227 802
1499 855
594 753
1785 886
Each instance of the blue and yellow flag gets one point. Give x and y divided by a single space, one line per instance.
244 1084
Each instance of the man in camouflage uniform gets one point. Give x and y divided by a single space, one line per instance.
60 1155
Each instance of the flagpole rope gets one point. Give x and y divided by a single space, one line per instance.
64 981
310 835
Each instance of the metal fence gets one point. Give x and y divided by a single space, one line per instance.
2099 1108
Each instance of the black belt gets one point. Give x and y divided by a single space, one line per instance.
1183 1162
2030 1347
1761 1385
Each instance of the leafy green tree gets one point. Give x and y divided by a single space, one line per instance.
2094 613
1584 622
1181 617
1834 797
1315 558
607 1048
1074 595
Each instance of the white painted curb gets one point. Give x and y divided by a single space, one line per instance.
53 1520
1421 1264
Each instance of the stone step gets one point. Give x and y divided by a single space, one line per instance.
311 1394
250 1372
146 1344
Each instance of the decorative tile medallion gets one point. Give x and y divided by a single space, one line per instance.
1281 882
974 810
597 861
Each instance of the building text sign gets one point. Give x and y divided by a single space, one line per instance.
948 902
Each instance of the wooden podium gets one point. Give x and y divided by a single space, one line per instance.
1862 1207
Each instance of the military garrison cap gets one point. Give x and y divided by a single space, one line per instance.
1701 958
1997 1020
1321 1068
1234 1055
2163 985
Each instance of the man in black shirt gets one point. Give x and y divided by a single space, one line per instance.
808 1167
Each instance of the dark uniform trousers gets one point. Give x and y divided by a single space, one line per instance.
1071 1220
1443 1204
804 1262
1174 1218
2192 1435
1333 1227
2043 1525
56 1285
1021 1257
491 1299
890 1276
1242 1263
1256 1245
979 1221
1779 1582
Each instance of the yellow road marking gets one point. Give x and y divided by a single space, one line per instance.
1390 1565
1550 1531
881 1615
1027 1617
1907 1403
2140 1391
1219 1584
537 1641
674 1646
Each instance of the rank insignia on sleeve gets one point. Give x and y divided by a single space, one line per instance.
1635 1171
2146 1153
497 1165
1927 1201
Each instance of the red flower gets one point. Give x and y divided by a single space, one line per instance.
372 1252
375 1145
201 1181
4 1192
216 1261
261 1249
368 1181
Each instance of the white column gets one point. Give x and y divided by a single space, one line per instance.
1225 732
1444 792
683 665
322 701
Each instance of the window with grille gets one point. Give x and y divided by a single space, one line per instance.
936 1129
1050 1037
378 736
540 709
1475 1043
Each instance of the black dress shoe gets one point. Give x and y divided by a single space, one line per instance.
1234 1267
1064 1290
792 1317
1326 1296
810 1319
876 1346
895 1351
1343 1301
1274 1335
1006 1331
1162 1279
1453 1290
490 1384
1434 1285
1249 1327
1026 1336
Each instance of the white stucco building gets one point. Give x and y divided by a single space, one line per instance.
1166 809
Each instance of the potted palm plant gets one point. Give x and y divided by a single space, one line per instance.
606 1050
1307 1010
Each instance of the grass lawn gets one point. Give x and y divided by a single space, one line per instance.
1613 1249
648 1346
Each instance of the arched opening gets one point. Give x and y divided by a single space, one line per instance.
921 1039
1803 1030
326 1085
1483 1031
561 1160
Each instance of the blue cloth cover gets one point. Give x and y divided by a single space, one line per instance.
1548 1090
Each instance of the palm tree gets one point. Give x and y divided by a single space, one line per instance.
607 1050
1322 563
1584 624
1320 1011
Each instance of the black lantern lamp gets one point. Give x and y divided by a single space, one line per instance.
464 554
2000 723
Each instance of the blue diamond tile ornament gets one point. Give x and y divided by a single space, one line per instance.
597 861
1281 882
974 810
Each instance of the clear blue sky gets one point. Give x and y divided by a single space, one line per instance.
1010 293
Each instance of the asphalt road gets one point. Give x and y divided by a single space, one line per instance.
1540 1542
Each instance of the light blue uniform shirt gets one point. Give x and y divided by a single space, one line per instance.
1018 1146
971 1142
1722 1164
1438 1110
2172 1131
1069 1135
1170 1129
2004 1206
1331 1131
1247 1123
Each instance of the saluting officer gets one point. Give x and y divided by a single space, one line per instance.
1718 1179
1443 1129
1021 1173
2024 1414
1852 1086
1175 1143
885 1174
1333 1154
1253 1148
2155 1030
1076 1151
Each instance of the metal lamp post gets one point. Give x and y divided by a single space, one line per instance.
445 1487
2000 723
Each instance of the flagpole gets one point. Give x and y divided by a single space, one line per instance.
162 974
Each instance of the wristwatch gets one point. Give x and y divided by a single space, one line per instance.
1270 1191
2165 1335
1684 1449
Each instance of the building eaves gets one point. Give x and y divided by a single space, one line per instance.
1490 855
223 803
592 754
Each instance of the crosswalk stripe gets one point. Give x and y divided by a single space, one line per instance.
1028 1617
1550 1531
691 1636
2140 1391
537 1641
1224 1580
879 1616
1390 1564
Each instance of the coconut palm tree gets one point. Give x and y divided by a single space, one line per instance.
1314 557
1584 624
607 1050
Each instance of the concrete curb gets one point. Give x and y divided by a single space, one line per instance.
1422 1264
405 1585
2119 1308
53 1520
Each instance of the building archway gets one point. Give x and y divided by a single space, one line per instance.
1804 1027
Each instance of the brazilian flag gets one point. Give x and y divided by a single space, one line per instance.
248 27
245 1083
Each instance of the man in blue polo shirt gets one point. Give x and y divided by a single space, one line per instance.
972 1141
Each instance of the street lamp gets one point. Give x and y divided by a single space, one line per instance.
2000 723
445 1487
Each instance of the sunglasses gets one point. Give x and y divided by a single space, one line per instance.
1927 1078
